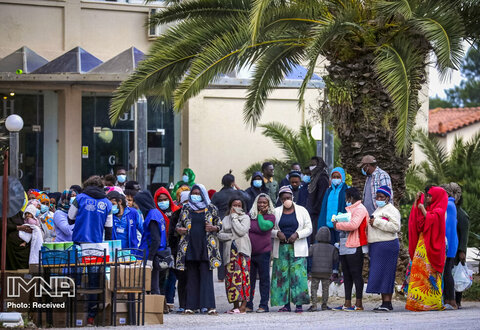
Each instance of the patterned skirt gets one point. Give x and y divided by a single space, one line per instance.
425 285
289 278
383 266
237 277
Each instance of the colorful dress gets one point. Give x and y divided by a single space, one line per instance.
48 227
237 277
425 285
289 278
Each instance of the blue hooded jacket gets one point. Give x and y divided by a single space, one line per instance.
451 228
333 201
125 229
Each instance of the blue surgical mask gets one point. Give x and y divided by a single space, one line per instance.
257 183
121 178
363 172
185 178
336 182
37 213
43 209
381 203
72 199
115 209
348 204
164 205
196 198
306 178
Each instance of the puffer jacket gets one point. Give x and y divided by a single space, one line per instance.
323 254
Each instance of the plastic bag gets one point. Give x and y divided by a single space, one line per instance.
462 276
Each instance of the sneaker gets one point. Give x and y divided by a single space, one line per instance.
381 309
325 307
180 310
312 308
90 322
353 309
298 310
339 308
262 310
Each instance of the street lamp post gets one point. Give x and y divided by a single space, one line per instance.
14 124
317 134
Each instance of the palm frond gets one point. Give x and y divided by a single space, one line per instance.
256 17
435 166
400 8
400 69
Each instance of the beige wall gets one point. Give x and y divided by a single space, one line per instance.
467 133
52 28
219 140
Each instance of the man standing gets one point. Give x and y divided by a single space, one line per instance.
286 180
319 184
270 183
121 177
376 177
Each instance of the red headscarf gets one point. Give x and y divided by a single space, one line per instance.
432 226
173 206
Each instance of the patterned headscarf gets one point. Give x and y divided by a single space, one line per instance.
64 202
182 189
43 198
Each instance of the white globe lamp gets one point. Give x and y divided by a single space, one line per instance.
14 123
317 132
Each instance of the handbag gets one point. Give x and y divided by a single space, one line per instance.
164 259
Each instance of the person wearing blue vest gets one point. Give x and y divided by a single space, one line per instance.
126 221
154 239
91 215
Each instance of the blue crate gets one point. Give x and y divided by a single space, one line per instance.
59 255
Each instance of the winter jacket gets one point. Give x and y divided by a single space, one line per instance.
463 225
357 226
304 230
235 229
386 224
333 201
324 255
221 198
261 240
451 228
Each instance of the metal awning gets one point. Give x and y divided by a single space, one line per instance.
124 63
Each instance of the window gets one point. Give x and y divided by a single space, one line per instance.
156 31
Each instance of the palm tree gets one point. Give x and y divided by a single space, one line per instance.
377 52
297 146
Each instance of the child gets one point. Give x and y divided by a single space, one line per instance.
324 256
29 219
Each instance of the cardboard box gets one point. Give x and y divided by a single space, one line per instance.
153 318
80 320
122 314
125 273
154 303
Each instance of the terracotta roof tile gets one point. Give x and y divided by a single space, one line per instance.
444 120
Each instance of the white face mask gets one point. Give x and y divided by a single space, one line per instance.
288 203
312 168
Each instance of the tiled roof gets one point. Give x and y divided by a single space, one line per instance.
444 120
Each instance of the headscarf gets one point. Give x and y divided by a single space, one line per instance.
432 226
33 192
453 190
43 198
181 190
254 209
211 192
64 202
184 196
205 199
33 211
318 171
115 188
191 176
145 202
34 202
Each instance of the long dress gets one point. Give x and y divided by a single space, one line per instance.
425 286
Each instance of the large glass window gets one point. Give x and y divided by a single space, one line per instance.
105 148
30 108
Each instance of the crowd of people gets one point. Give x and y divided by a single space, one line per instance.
311 226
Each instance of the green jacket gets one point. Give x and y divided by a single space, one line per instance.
190 183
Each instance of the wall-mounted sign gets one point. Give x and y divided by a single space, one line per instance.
85 152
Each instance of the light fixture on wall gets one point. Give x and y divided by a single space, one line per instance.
12 94
14 123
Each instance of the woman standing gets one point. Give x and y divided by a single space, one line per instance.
63 229
356 245
426 245
383 248
236 254
262 221
290 252
154 239
46 218
198 251
188 179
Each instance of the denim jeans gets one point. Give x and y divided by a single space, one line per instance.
170 287
260 263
